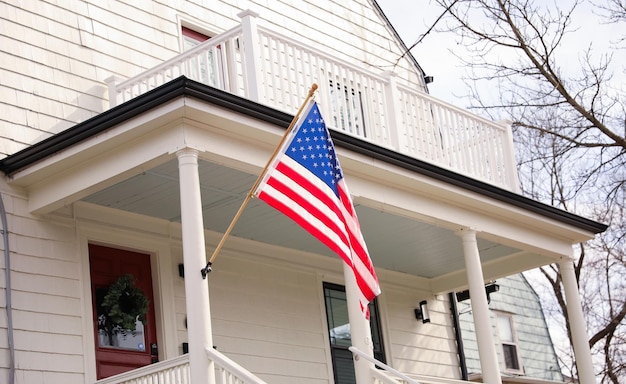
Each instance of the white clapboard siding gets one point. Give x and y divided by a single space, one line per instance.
417 348
56 57
268 312
268 318
46 298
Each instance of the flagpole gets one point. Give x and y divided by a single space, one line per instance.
208 268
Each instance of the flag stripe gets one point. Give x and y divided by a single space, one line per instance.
305 182
315 207
295 213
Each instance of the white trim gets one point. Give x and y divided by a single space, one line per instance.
514 342
195 25
321 279
91 231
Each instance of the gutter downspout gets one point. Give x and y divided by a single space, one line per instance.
457 333
7 291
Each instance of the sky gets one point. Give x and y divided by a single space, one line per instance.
412 18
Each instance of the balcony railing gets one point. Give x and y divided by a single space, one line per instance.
256 63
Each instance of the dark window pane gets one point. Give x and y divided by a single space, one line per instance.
510 356
343 366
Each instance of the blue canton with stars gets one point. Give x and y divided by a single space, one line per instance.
313 148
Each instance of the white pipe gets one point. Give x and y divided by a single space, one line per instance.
7 291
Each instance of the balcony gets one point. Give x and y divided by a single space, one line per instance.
256 63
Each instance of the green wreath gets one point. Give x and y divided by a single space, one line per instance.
125 303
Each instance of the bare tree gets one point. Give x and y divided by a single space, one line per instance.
570 127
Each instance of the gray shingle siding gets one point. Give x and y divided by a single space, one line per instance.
537 354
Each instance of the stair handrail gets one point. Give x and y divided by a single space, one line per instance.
382 365
229 365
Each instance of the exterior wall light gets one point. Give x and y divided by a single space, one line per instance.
421 313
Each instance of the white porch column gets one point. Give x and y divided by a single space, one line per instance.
194 258
578 328
480 308
360 333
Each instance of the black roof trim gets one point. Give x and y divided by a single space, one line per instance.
453 178
403 45
178 87
186 87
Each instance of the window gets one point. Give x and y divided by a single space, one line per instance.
508 340
206 66
339 333
192 38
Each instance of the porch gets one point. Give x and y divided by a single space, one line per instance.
176 371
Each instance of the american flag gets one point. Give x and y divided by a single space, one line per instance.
305 182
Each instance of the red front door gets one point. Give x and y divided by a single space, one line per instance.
120 349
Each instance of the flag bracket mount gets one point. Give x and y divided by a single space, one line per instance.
206 270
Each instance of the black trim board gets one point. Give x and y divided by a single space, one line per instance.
178 87
183 86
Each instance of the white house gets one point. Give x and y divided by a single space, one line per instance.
132 131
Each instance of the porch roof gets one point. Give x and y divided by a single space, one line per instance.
182 86
515 233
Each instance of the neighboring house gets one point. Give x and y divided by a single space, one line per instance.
523 343
131 133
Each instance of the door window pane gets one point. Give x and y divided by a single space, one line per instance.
111 335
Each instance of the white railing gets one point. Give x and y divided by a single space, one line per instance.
256 63
229 372
213 63
176 371
172 371
389 375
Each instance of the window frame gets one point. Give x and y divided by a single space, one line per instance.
375 326
510 343
213 70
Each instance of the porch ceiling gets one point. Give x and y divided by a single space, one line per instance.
395 242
